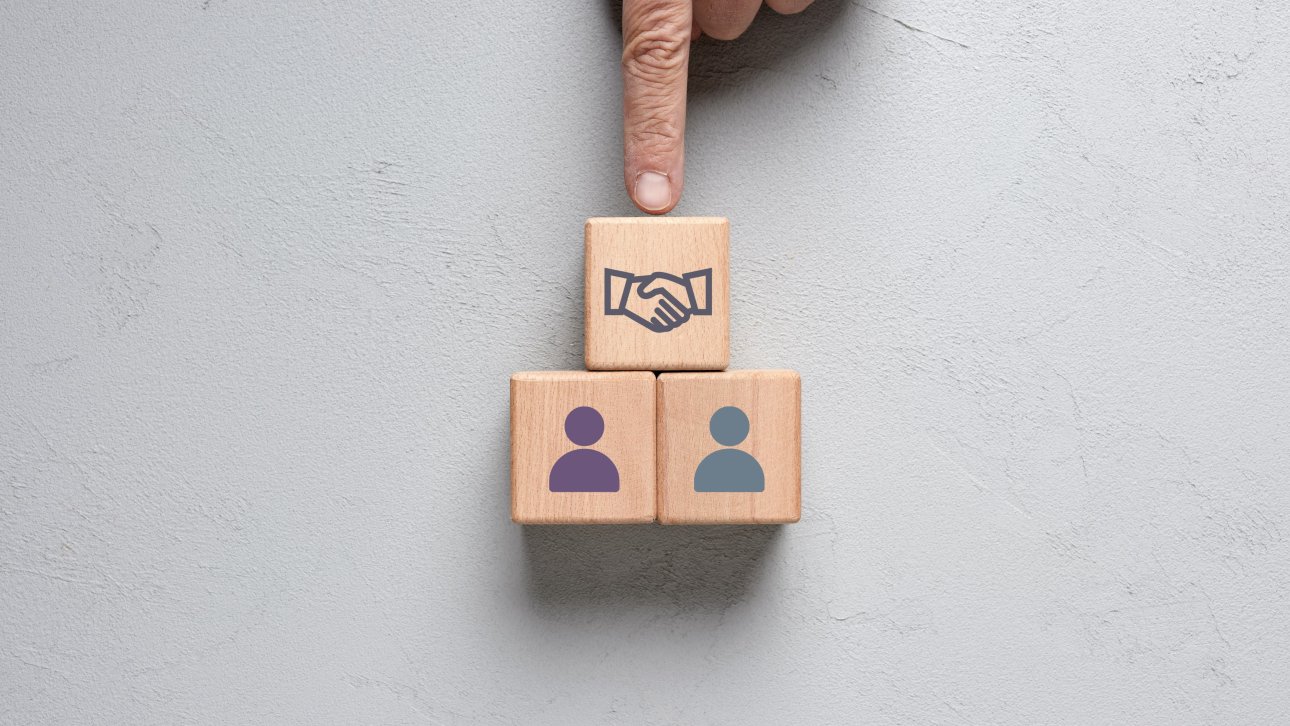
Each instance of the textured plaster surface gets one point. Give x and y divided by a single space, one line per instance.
265 268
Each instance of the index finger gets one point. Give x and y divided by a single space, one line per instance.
656 59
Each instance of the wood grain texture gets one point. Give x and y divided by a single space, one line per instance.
644 245
540 402
686 402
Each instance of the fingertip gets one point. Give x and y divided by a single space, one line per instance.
655 212
654 192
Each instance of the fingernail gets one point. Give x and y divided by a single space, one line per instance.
653 191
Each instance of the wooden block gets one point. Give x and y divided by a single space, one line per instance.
729 447
582 447
657 293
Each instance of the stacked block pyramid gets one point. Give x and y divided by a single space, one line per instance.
694 444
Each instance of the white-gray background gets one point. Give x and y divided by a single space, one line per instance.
265 268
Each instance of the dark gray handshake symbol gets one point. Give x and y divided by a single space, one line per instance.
660 302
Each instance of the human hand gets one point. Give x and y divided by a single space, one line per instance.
656 58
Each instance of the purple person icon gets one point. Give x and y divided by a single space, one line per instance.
584 470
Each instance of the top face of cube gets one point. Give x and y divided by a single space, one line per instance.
657 293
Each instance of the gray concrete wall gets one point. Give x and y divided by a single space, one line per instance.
266 267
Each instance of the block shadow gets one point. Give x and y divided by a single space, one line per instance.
601 567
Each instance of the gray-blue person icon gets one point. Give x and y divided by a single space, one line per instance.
729 470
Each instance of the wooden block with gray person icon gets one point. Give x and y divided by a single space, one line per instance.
729 447
582 447
657 293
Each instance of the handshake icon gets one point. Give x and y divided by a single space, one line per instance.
659 302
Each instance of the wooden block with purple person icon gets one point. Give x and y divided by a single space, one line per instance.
729 447
657 293
582 447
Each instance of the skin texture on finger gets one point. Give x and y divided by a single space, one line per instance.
788 7
725 19
656 60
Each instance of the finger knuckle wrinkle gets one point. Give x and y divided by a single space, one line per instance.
659 137
655 53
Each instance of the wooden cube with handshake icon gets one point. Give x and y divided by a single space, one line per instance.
618 444
657 294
